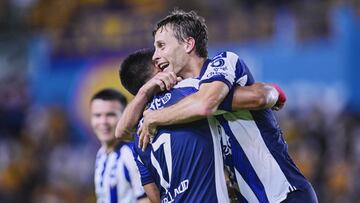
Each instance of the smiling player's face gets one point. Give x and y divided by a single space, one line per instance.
104 117
170 54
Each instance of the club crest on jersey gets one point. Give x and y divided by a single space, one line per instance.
217 62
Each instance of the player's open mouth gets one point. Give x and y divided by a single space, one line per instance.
162 66
105 130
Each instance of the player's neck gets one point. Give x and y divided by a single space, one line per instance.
193 68
110 146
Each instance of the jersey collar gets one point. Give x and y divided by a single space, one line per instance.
203 68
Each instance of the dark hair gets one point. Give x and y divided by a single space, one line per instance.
109 94
136 70
184 25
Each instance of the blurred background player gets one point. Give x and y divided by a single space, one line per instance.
116 175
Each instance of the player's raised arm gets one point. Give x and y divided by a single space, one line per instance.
258 96
152 193
134 110
141 78
130 116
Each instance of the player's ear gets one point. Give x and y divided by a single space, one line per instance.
189 44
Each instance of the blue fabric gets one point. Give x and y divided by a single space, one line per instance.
307 195
242 164
191 144
113 194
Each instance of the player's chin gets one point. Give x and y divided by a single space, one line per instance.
107 137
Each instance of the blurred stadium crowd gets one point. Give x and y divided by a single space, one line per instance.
43 161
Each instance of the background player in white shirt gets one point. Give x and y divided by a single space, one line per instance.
116 175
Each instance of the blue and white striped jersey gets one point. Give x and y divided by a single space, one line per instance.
117 178
185 161
253 145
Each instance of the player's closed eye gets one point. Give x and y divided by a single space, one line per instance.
160 45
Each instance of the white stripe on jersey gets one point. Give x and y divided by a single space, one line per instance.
266 167
242 81
221 188
157 166
245 190
137 188
189 82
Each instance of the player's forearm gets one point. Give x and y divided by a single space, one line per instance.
187 110
194 107
152 192
131 115
256 96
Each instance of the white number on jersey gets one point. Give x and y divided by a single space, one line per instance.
163 139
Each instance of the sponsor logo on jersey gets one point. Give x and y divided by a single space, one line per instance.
158 103
166 98
213 73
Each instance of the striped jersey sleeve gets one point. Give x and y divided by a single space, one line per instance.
228 68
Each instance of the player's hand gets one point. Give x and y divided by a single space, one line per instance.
147 130
169 70
169 79
281 99
160 82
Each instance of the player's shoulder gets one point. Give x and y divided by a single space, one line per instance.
188 83
101 151
126 145
223 59
123 147
225 55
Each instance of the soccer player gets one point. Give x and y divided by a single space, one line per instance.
181 156
257 155
116 175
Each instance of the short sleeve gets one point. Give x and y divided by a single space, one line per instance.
221 68
228 68
226 104
145 175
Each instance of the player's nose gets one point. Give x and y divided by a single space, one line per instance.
156 56
103 120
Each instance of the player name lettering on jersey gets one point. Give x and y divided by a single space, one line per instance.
170 196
